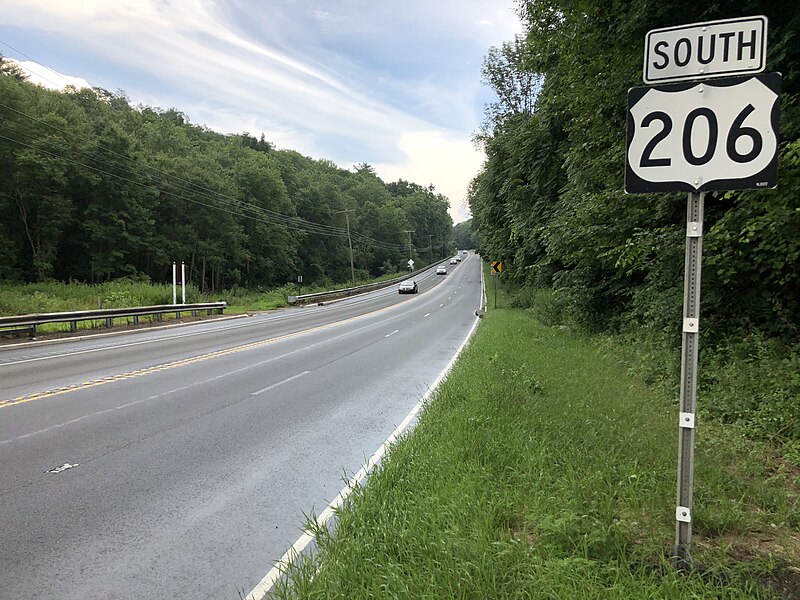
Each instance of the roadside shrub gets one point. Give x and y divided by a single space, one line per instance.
756 383
547 308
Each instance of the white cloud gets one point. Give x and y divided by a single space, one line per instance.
435 157
47 77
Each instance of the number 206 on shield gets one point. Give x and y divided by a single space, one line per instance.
704 136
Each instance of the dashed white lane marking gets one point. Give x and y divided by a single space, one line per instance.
449 297
427 315
187 361
274 385
441 305
291 555
186 387
390 334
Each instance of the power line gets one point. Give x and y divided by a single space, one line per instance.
298 222
314 227
292 222
161 191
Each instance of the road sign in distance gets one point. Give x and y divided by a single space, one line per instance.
702 50
715 135
497 266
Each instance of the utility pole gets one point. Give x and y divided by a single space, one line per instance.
346 212
430 248
410 259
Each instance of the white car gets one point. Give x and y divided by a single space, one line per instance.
441 270
409 286
453 261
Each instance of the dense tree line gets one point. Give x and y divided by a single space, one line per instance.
94 189
464 236
549 201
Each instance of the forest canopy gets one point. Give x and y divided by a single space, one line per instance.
549 201
94 189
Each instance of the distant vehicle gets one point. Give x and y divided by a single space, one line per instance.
458 259
464 253
409 286
453 261
442 270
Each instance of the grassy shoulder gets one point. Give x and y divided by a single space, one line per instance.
542 469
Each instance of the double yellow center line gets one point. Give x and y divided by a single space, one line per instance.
172 365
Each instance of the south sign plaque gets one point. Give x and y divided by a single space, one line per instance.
702 50
720 134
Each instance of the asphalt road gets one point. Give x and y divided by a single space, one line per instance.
181 462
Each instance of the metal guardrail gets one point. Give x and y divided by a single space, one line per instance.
29 323
352 291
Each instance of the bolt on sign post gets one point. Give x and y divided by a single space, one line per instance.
713 131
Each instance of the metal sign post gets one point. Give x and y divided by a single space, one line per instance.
299 285
497 268
688 400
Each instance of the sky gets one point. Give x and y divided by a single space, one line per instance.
392 83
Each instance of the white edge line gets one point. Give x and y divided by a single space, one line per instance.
260 591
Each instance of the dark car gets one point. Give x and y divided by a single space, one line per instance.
409 286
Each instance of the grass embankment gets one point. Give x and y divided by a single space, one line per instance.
541 469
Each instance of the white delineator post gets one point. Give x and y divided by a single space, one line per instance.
174 284
183 283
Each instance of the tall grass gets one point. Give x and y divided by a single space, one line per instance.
21 299
542 469
50 297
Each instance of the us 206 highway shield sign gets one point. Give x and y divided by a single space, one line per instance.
719 134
